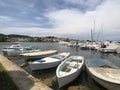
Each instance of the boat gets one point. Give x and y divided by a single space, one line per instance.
17 46
63 43
111 48
84 47
15 49
69 70
49 62
38 55
118 50
73 44
106 76
21 51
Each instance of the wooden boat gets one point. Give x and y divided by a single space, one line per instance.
106 76
69 69
49 62
38 55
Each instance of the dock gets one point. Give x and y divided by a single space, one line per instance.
21 78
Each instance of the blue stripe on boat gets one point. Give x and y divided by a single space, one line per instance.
40 60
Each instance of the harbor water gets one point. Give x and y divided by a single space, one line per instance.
83 81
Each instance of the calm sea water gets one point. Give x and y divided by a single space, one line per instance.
83 82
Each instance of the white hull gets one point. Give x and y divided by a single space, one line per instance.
38 55
118 50
15 50
62 81
18 52
65 77
44 65
108 50
109 80
49 62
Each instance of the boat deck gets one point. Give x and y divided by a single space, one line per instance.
108 74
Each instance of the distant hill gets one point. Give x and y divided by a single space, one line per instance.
15 35
3 38
25 38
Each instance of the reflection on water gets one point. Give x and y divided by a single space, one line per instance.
83 81
97 62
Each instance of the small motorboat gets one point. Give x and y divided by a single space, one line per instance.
15 49
49 62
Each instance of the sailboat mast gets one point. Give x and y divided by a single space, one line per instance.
93 29
91 36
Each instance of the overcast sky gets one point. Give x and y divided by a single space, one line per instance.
62 18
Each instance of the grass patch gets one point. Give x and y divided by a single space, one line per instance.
6 83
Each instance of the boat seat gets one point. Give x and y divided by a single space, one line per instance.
80 61
67 63
76 65
61 56
72 64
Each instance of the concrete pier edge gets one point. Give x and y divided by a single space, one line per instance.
21 78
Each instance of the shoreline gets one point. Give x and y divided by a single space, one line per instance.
21 78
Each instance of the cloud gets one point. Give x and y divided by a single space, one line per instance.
72 21
32 31
70 18
85 5
38 18
18 5
6 19
2 4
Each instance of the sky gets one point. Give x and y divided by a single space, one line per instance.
62 18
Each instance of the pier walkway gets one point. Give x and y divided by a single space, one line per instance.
21 78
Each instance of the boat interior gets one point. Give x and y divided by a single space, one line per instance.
70 66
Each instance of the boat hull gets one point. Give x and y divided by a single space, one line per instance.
48 62
108 50
62 81
42 66
38 55
105 83
108 85
69 70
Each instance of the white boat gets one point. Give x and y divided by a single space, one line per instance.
48 62
107 77
111 48
69 69
38 55
13 49
21 51
63 43
84 47
104 72
17 46
118 50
